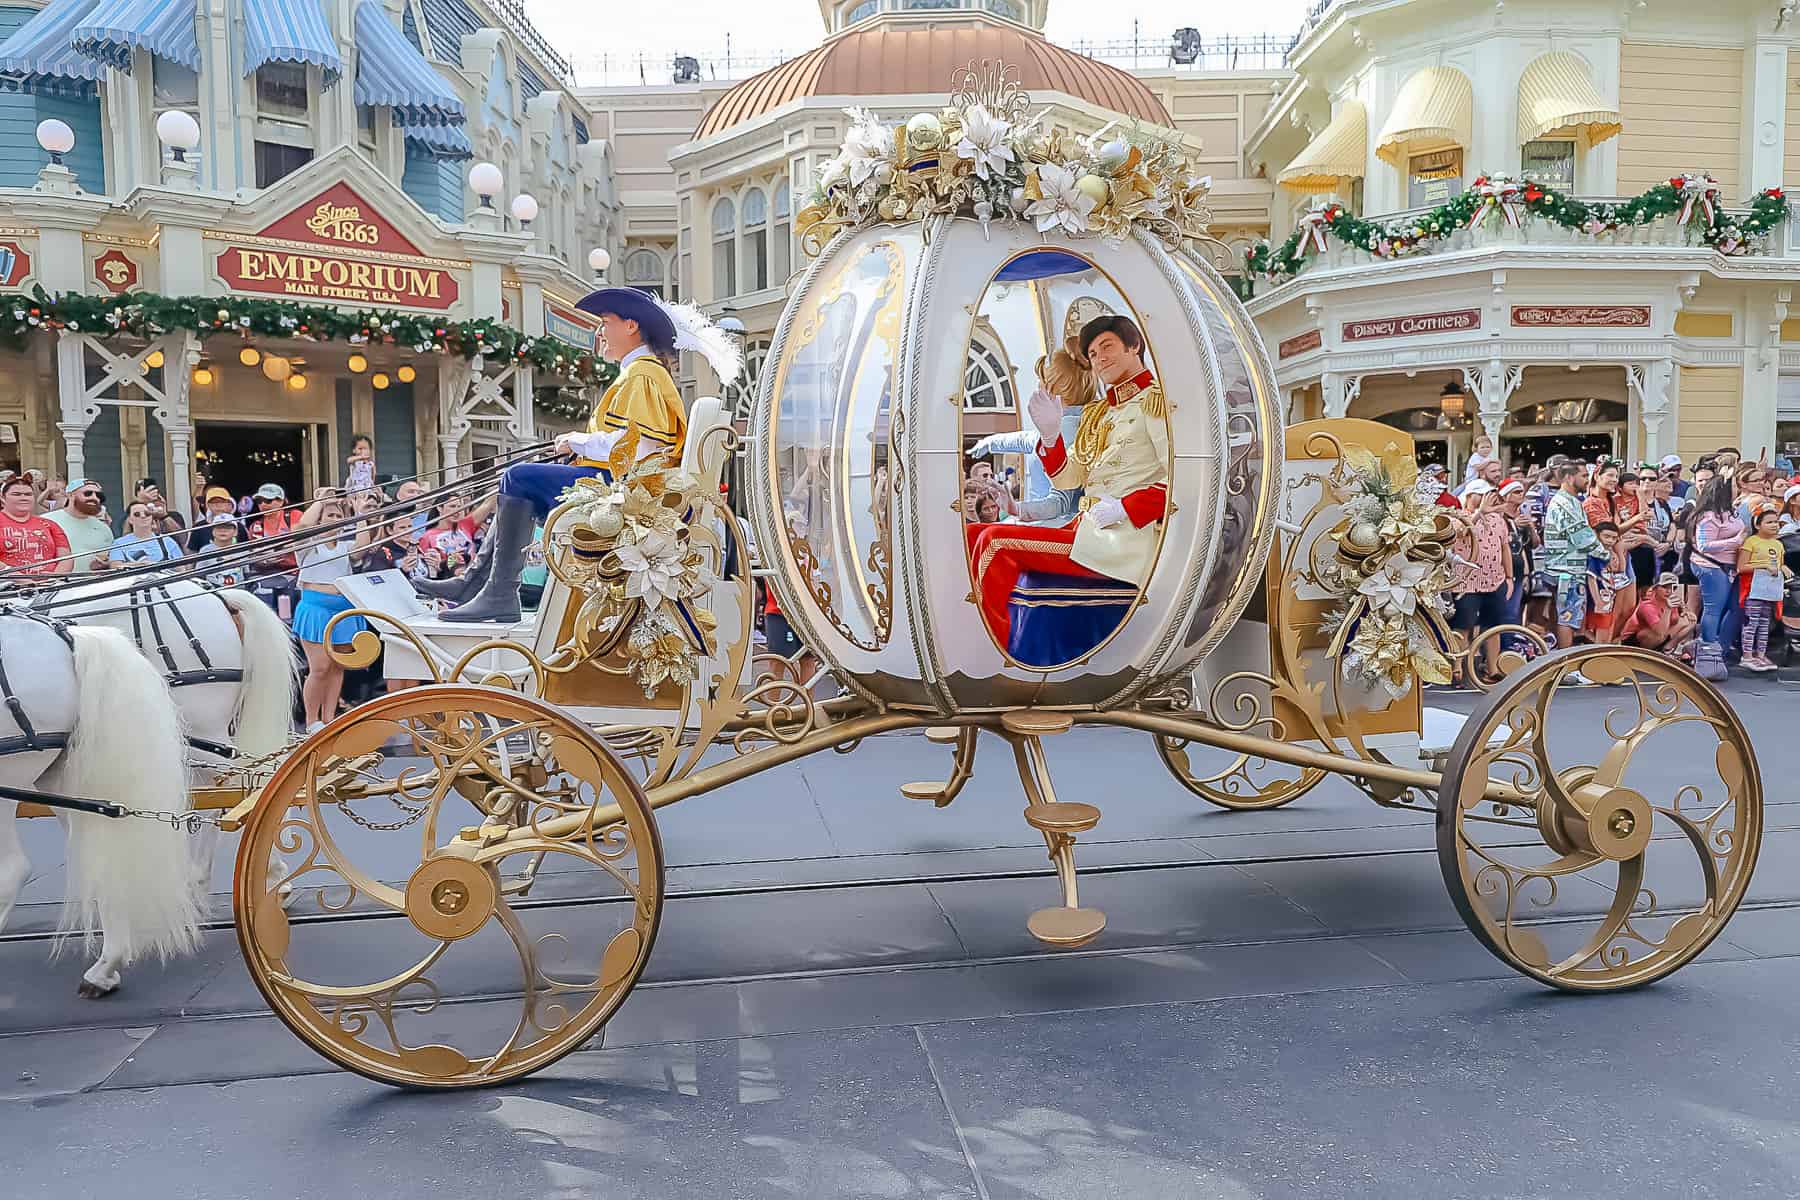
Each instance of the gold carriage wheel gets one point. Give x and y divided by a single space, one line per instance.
1238 787
438 873
1591 877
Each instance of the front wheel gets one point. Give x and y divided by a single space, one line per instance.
387 879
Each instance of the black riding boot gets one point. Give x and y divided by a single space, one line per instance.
461 587
498 599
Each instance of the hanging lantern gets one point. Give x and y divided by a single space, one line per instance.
276 369
379 380
249 356
357 363
203 376
1451 400
296 383
154 360
406 374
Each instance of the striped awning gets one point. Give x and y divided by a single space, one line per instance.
38 57
389 71
1435 109
1340 152
117 27
291 31
1557 98
443 141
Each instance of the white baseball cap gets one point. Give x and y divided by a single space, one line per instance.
1478 487
1671 460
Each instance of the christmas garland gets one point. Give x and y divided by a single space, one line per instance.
1691 198
147 316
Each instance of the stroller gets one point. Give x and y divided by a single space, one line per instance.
1784 638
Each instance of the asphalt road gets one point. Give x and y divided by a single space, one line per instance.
844 1002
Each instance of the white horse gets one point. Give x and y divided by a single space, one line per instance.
82 714
225 656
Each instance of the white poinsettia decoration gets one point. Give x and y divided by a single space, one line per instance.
868 145
1393 586
653 567
1062 204
986 142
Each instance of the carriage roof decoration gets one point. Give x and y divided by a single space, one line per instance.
986 155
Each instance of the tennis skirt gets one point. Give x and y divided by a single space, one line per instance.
315 609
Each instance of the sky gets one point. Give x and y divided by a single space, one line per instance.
593 38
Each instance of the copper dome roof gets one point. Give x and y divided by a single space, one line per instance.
884 58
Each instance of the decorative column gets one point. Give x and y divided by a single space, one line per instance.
1492 386
78 412
453 426
180 356
1649 382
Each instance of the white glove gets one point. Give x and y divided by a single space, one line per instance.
997 443
1045 411
1107 512
595 446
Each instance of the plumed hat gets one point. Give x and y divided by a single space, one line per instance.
668 328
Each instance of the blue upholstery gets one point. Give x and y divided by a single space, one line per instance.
1058 618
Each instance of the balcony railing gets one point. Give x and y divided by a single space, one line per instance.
1244 52
513 13
1662 233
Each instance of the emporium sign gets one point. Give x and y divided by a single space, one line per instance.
1455 321
337 249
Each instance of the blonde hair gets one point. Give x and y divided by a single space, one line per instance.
1067 376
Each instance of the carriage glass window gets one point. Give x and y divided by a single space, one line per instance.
1550 162
833 404
1433 178
1060 543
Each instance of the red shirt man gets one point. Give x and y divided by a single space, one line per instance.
29 544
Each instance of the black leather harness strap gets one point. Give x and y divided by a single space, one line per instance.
29 738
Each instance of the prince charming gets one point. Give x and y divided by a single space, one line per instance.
1121 459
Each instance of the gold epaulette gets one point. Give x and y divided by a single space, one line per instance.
1155 404
1090 435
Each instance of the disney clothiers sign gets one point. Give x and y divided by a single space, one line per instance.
336 248
1419 323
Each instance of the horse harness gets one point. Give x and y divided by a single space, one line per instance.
29 736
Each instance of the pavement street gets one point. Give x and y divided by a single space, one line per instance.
843 1001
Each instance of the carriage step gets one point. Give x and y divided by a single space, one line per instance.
1066 927
1062 817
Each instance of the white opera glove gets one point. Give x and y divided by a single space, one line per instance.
597 447
1020 442
1046 413
1107 512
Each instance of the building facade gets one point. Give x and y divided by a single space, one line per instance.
711 174
1639 341
330 166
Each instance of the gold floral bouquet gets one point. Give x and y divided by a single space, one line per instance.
983 157
1390 571
642 552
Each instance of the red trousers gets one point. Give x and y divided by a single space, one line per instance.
998 553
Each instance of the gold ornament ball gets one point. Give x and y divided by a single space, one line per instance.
1093 187
924 132
1363 536
609 524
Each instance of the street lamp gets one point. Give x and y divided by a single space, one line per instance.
525 209
485 181
179 132
599 259
732 325
56 138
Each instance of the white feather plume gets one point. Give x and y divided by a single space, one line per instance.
695 331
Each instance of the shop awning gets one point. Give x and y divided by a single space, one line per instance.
292 31
389 71
1435 108
1557 98
38 57
1338 153
444 141
117 27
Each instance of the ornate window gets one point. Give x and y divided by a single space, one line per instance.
754 270
988 377
782 240
724 229
644 269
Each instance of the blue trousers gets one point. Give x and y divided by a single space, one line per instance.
1718 597
542 483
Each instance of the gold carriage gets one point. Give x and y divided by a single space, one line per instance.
1283 631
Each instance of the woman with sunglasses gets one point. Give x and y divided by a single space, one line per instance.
142 541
